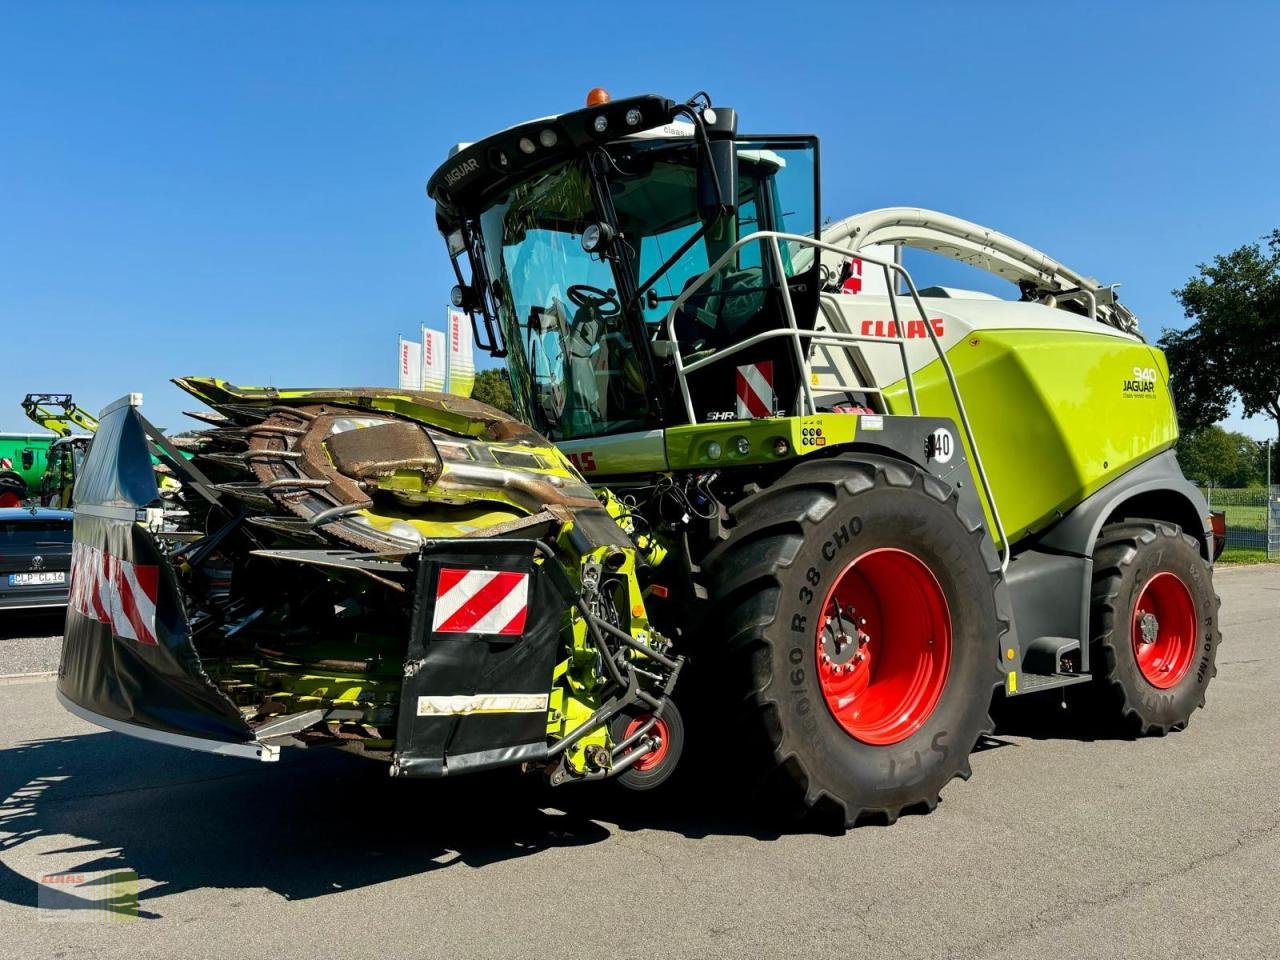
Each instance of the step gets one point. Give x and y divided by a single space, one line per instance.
1038 682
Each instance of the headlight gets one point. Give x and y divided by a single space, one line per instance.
596 236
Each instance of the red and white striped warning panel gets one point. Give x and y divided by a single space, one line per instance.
755 390
115 592
481 601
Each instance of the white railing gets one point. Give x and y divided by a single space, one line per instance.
802 340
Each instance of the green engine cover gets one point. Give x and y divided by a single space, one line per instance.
1056 414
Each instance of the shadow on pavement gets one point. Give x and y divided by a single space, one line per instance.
31 623
1066 714
320 821
315 823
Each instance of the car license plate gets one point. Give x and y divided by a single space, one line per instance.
37 579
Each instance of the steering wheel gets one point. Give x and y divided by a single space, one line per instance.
582 295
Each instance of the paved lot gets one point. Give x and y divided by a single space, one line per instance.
1058 847
30 642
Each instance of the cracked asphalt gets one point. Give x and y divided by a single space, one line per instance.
1059 847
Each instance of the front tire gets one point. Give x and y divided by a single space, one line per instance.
1154 627
873 551
656 766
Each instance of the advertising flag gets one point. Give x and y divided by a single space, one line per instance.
433 360
461 369
410 367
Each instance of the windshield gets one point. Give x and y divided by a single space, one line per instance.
571 356
576 367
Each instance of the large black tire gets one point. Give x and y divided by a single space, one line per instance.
1126 559
766 582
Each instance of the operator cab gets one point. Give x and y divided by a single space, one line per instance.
572 238
66 454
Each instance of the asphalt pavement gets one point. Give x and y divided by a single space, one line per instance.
1060 846
30 642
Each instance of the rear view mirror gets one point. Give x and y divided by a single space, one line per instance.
28 458
718 178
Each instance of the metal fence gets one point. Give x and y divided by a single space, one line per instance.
1253 517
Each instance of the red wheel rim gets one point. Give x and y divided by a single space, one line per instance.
659 753
884 646
1164 630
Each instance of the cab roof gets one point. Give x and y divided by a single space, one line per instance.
482 169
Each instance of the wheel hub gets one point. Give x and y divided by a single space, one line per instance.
883 646
658 736
1163 631
1149 627
844 641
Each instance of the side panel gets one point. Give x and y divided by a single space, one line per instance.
1179 502
618 455
1057 414
1051 595
127 655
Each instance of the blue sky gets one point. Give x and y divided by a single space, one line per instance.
237 188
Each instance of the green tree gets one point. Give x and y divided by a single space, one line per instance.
1219 457
493 387
1231 349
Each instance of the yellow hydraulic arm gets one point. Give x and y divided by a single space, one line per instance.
58 412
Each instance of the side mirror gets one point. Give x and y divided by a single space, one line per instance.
718 178
28 458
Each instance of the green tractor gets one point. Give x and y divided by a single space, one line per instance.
22 459
59 413
853 508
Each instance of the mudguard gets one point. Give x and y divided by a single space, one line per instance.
476 696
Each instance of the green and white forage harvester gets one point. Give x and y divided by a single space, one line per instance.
763 474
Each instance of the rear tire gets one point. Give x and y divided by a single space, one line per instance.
862 530
1153 626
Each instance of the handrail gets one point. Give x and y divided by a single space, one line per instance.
796 335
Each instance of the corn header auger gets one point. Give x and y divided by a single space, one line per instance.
858 509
